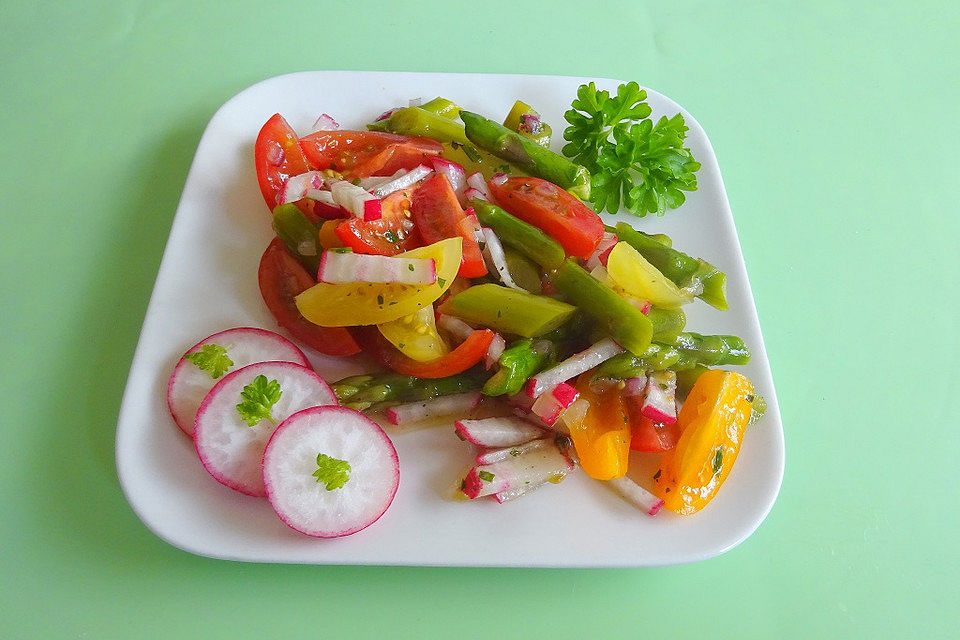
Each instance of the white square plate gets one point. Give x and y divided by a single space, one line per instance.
208 282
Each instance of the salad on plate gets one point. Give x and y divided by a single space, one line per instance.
467 259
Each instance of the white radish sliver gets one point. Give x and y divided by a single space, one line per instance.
459 403
573 366
408 179
636 495
493 251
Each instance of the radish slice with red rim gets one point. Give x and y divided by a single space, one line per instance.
193 375
330 471
230 439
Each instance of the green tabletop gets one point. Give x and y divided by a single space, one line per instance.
835 127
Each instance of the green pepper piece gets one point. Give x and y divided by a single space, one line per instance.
621 320
526 154
514 122
518 362
299 235
508 310
414 121
522 236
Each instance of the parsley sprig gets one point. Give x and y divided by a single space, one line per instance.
632 160
257 399
211 358
332 472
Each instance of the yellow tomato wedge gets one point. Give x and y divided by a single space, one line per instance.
631 272
416 335
713 419
601 433
360 303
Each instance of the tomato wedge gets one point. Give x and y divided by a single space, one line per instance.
647 435
602 435
281 278
393 233
358 154
277 156
713 420
438 215
554 211
467 354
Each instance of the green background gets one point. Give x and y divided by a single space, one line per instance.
835 127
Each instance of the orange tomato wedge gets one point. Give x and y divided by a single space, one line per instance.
602 436
712 420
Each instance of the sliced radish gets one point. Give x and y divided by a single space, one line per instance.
496 258
496 349
297 187
354 199
325 123
229 447
660 405
456 404
530 469
602 252
472 193
339 267
244 345
498 179
573 366
476 181
330 471
490 456
498 432
637 495
635 387
408 179
548 406
373 182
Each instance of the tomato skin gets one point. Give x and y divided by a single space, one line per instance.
648 436
277 156
553 210
281 277
467 354
359 154
438 215
392 234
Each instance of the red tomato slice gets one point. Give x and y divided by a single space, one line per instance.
393 233
555 211
281 278
647 435
467 354
277 156
438 215
358 154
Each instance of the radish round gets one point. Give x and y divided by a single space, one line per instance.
189 384
230 449
295 482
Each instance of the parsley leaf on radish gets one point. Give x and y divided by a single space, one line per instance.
211 358
258 399
332 472
632 160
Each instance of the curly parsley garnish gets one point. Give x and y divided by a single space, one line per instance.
258 399
332 472
631 159
211 358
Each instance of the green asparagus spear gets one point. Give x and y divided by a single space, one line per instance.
299 235
526 154
508 310
708 350
687 378
657 357
706 281
363 391
525 272
667 320
524 237
518 362
621 320
416 121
